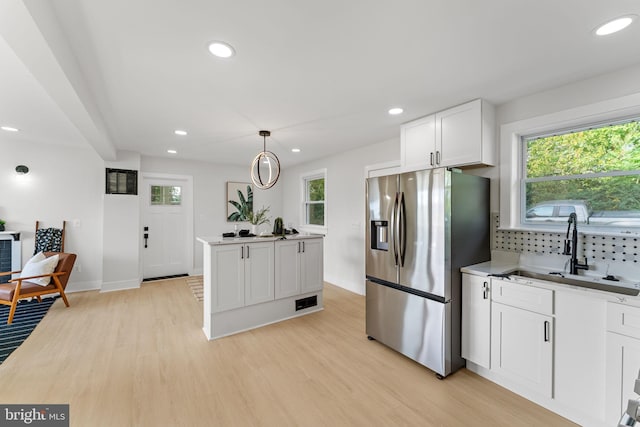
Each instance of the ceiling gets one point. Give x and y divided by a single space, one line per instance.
124 74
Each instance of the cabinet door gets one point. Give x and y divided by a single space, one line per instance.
522 347
476 320
623 365
623 357
227 278
311 267
417 144
287 268
259 275
459 134
579 352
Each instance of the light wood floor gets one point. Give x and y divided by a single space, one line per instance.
140 358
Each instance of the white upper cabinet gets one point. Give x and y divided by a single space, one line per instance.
418 144
460 136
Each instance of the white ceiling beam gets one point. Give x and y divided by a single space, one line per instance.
31 29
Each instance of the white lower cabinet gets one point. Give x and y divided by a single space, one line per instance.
522 347
572 352
299 267
579 347
476 320
243 275
259 273
623 357
311 266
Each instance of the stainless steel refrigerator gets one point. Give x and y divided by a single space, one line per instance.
421 228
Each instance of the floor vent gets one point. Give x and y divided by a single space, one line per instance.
307 302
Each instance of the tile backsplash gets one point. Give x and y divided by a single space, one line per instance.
597 248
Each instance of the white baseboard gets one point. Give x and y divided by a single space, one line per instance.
120 285
92 285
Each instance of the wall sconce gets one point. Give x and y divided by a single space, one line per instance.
22 170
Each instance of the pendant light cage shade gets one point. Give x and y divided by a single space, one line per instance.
265 168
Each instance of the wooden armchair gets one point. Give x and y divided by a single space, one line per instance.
20 288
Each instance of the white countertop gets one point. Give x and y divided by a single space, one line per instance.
219 240
504 266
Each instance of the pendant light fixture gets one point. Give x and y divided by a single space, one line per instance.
265 168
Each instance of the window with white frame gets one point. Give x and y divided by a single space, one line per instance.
592 171
314 199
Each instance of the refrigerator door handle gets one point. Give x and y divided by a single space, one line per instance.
394 229
402 229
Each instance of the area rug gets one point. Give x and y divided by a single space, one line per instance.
28 315
195 283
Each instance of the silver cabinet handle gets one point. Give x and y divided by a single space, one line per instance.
247 251
485 290
546 331
241 252
302 245
437 157
431 158
298 247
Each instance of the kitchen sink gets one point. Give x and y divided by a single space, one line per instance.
602 284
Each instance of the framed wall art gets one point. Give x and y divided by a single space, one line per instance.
239 201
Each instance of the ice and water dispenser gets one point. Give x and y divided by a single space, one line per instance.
380 235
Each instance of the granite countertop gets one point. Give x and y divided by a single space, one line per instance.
219 240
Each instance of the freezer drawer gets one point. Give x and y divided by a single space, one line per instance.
415 326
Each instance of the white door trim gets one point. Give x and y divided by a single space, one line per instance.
189 213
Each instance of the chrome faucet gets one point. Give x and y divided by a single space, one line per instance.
571 246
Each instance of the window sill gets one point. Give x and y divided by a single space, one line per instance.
582 229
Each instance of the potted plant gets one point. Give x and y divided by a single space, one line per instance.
2 223
257 218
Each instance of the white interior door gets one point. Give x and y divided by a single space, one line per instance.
166 240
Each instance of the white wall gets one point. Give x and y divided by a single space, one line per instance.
210 195
607 86
63 183
121 225
345 210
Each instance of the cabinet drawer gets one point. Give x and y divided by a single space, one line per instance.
623 319
522 296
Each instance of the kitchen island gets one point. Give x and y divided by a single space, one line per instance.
255 281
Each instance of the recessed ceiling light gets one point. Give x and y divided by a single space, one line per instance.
180 132
615 25
295 150
221 49
395 111
9 129
171 151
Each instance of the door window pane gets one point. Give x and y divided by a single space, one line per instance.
166 195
